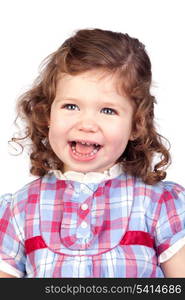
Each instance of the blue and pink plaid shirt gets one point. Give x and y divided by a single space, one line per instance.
91 225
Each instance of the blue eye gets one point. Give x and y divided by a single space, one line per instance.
108 111
70 106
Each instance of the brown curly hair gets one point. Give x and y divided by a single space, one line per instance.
114 52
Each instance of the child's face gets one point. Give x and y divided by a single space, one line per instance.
90 122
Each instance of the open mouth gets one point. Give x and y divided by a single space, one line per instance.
84 148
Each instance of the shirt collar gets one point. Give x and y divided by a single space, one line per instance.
90 177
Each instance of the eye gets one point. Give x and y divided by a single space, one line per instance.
70 107
108 111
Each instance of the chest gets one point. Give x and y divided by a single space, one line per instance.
85 232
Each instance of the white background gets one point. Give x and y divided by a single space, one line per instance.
30 30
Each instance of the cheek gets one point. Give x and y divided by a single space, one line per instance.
56 131
52 137
58 125
120 134
118 142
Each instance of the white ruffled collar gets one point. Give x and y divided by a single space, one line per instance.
90 177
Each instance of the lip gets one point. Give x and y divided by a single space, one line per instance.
80 158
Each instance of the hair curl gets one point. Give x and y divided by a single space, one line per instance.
86 50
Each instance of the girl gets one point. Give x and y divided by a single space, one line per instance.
99 207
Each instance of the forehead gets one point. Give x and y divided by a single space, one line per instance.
101 81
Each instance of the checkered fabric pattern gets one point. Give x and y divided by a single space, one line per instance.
46 232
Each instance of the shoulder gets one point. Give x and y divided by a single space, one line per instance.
161 200
172 201
21 196
172 198
172 190
149 195
160 192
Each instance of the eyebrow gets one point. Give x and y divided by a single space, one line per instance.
66 99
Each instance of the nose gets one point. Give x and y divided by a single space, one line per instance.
87 124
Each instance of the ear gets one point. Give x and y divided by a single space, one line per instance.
132 137
138 129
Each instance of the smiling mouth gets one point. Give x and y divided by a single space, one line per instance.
84 148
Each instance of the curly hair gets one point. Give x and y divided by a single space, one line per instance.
114 52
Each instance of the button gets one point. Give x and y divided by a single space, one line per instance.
84 224
84 206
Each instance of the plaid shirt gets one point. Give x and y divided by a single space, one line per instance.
118 227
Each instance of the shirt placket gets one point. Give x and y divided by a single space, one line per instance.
84 232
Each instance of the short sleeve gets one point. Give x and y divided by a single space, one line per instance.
12 258
170 227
